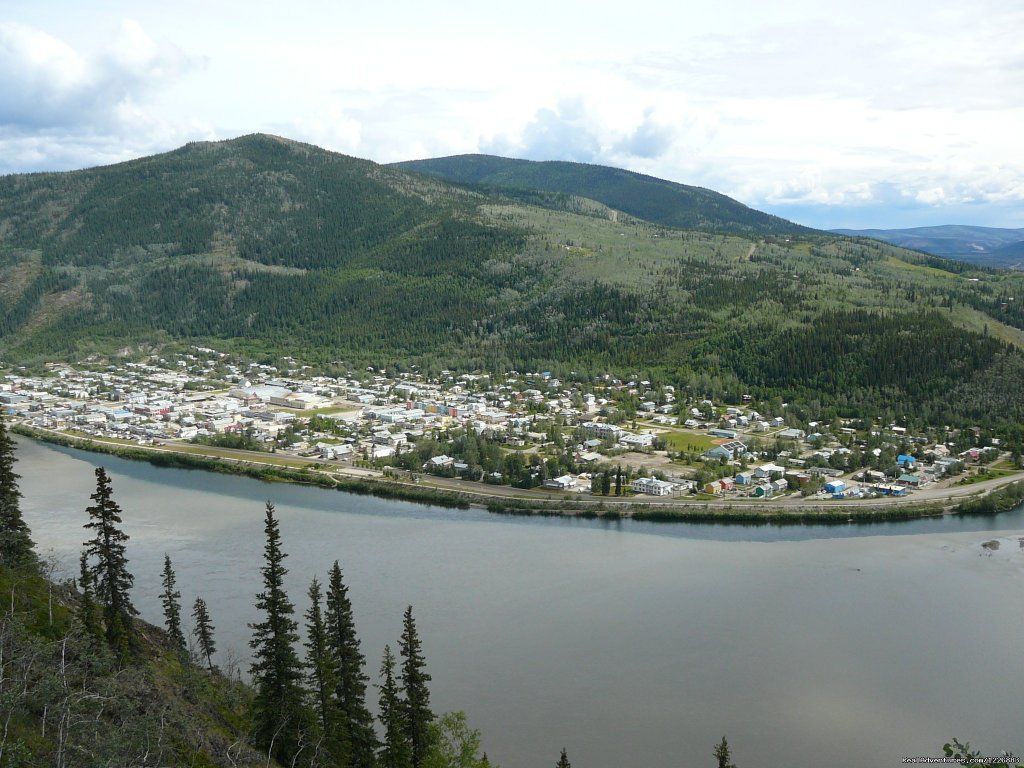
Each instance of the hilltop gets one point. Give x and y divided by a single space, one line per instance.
645 197
273 247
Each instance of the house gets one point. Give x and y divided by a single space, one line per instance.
909 481
767 470
791 434
713 488
800 478
764 491
718 452
439 462
728 451
835 486
744 478
645 440
563 483
906 462
653 487
381 451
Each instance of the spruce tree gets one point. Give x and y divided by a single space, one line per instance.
723 754
87 605
110 571
396 751
563 761
320 665
171 600
15 537
203 631
416 702
279 712
350 679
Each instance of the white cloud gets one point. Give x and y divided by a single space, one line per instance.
806 106
62 108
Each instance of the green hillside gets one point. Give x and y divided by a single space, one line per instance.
645 197
268 247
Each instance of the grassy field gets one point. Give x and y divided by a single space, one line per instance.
690 442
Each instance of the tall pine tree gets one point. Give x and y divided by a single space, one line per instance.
723 754
110 570
281 719
350 679
171 600
395 752
15 537
332 741
417 716
203 631
563 761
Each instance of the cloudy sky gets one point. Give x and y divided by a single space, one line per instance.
830 113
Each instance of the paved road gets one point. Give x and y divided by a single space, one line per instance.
487 492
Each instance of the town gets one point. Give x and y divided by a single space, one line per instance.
604 437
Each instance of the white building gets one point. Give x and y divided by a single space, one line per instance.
653 487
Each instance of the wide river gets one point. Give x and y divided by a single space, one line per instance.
630 644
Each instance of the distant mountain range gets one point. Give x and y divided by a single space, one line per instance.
273 247
986 246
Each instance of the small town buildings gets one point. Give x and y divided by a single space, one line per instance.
645 440
791 434
653 487
563 483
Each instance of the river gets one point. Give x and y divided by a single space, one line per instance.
628 643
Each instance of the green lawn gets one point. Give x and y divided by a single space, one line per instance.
690 442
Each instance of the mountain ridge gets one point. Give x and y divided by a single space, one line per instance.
646 197
986 246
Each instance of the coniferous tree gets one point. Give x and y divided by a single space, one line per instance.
395 752
618 481
15 537
280 716
416 701
203 631
87 605
110 571
350 679
320 665
723 754
563 761
171 600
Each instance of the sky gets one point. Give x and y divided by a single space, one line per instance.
832 114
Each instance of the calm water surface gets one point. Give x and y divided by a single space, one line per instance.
631 644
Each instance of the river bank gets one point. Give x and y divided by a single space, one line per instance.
994 497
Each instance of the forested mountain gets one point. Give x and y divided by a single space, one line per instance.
986 246
645 197
271 247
